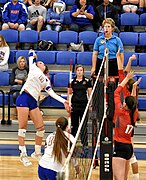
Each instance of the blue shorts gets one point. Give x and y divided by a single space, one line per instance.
26 100
46 174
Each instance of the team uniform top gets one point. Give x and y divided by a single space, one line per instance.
48 161
123 128
79 88
113 44
37 81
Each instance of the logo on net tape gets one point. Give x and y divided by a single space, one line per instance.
106 141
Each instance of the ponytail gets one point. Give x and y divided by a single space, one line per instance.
60 141
132 105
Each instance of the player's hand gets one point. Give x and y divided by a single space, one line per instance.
67 107
137 82
92 71
133 57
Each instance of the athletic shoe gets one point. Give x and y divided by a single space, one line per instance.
23 158
36 156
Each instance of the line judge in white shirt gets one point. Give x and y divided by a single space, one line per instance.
27 104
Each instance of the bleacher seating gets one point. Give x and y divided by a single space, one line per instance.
142 103
88 37
48 57
84 58
67 37
142 59
28 36
11 59
142 84
49 36
142 19
129 38
64 57
4 78
130 19
142 39
61 80
10 35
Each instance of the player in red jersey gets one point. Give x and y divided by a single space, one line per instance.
126 116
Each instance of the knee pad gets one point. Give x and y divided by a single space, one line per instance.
40 133
22 132
133 160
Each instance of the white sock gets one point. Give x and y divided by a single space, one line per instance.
22 149
37 149
136 176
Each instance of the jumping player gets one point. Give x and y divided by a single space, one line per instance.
126 116
56 151
27 104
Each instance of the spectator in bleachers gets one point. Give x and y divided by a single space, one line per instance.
82 15
105 10
130 5
36 16
14 15
4 54
55 16
18 76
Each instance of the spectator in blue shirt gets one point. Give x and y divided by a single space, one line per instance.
14 15
55 17
82 16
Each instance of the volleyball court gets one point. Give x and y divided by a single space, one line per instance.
94 133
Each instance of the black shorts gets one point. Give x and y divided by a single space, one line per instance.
112 67
123 150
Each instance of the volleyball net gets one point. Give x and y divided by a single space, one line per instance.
93 133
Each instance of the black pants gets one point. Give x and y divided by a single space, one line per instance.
76 117
112 67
